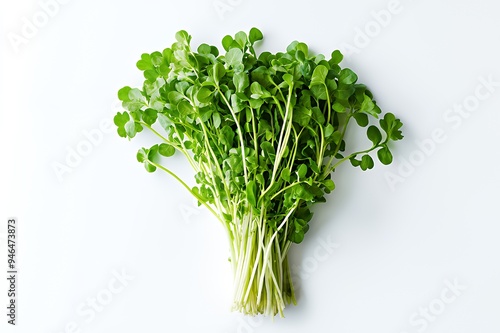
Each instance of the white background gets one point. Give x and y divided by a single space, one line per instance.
394 246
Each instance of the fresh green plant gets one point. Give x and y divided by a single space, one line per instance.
263 133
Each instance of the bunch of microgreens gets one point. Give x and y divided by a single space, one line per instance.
263 133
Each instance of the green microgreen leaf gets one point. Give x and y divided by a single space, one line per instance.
227 41
385 155
149 116
319 75
166 150
337 57
218 71
255 35
123 94
251 192
374 135
234 57
241 81
204 95
329 184
347 76
366 162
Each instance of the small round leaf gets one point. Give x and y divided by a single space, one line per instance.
166 150
385 155
374 135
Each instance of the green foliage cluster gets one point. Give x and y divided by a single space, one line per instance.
263 133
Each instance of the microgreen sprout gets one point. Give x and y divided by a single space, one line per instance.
263 133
